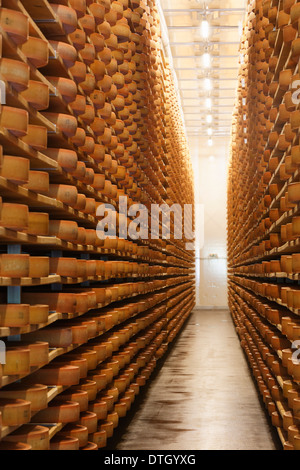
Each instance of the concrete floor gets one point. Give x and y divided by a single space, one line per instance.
203 398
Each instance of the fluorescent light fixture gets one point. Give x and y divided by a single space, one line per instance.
209 131
206 60
208 103
208 84
209 119
210 143
205 29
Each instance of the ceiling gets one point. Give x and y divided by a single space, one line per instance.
191 46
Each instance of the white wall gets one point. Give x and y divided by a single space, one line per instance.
210 166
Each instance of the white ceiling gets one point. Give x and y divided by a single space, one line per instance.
187 46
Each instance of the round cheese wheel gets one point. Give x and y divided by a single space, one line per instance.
99 438
14 446
121 409
90 446
14 266
36 137
78 39
67 16
15 169
81 363
38 182
98 11
15 72
88 420
66 267
17 361
78 106
61 442
64 122
38 266
98 41
88 53
64 229
55 336
79 6
79 140
66 52
38 223
15 120
89 177
98 407
76 396
15 24
35 394
108 427
39 351
78 432
81 202
90 206
66 87
35 436
14 315
36 50
88 117
67 159
104 29
87 22
78 71
89 355
89 84
14 411
64 193
98 69
37 95
99 182
100 379
57 412
56 374
38 314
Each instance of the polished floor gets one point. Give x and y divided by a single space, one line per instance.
203 398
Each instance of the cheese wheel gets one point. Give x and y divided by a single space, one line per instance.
65 123
79 140
67 17
13 216
14 446
66 87
77 431
88 420
64 229
56 374
15 169
99 182
98 11
35 436
81 202
66 267
14 315
38 266
37 95
67 359
89 177
100 379
36 137
76 396
15 24
78 71
36 50
121 409
38 182
38 314
89 84
35 394
15 120
61 442
87 22
67 159
78 39
98 69
64 193
14 411
15 72
57 337
38 223
14 266
98 98
89 355
17 361
39 351
99 438
78 106
98 126
88 117
57 412
90 206
99 407
66 52
108 427
88 53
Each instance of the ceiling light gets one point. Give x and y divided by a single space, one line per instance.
206 60
208 103
209 131
205 29
208 84
209 119
210 143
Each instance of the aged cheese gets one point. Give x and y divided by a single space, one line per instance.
66 267
67 16
65 123
17 361
37 95
78 432
66 87
14 315
56 337
64 229
15 72
38 314
15 169
36 50
67 159
38 223
35 394
56 374
76 396
15 24
38 182
15 120
35 436
14 411
64 193
36 137
14 266
58 412
62 442
89 420
66 52
38 266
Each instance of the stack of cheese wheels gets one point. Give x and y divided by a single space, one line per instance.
92 125
263 198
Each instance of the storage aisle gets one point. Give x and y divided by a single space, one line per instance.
207 367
